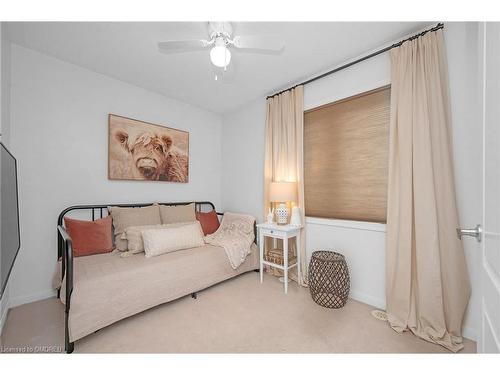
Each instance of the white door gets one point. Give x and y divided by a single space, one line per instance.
489 341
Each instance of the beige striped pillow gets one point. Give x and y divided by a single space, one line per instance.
133 235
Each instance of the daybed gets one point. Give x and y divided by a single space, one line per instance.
101 289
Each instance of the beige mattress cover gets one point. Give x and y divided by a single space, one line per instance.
108 287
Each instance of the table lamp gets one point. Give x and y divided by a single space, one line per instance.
282 192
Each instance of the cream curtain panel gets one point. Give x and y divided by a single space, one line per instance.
426 276
284 159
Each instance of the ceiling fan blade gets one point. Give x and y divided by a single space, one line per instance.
269 43
176 46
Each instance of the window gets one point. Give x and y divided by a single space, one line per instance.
346 148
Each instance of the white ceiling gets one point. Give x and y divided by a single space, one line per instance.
128 51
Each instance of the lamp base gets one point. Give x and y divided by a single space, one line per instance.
281 214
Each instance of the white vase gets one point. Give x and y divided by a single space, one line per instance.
282 214
296 219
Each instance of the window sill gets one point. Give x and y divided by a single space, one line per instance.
350 224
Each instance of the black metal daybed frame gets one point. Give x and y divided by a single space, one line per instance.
65 248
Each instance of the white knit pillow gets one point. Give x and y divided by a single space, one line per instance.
134 235
165 240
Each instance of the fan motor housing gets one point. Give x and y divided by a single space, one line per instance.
220 28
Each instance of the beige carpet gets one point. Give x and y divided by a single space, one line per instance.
238 316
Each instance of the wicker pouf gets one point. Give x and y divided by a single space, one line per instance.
329 281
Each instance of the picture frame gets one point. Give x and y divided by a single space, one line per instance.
143 151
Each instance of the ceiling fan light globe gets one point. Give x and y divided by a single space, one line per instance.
220 56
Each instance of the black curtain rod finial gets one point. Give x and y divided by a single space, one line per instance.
439 26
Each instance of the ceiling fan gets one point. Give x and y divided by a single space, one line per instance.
221 42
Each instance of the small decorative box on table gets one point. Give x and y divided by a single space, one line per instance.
276 256
329 281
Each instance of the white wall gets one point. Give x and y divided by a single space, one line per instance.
59 135
243 143
363 243
463 45
364 76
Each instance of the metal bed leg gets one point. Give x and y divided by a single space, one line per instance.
68 346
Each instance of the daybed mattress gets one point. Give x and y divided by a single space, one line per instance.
108 287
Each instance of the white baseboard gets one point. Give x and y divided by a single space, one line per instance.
366 298
469 333
21 300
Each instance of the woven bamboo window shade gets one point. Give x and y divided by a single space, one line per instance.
346 156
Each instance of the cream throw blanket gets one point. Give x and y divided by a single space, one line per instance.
235 235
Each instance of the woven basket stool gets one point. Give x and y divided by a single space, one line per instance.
329 281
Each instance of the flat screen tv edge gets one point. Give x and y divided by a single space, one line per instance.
10 231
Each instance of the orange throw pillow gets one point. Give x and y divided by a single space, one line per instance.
209 221
90 237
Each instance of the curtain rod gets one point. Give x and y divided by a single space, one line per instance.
435 28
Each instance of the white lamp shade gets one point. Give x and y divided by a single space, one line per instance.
283 192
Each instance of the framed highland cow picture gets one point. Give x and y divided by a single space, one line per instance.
142 151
